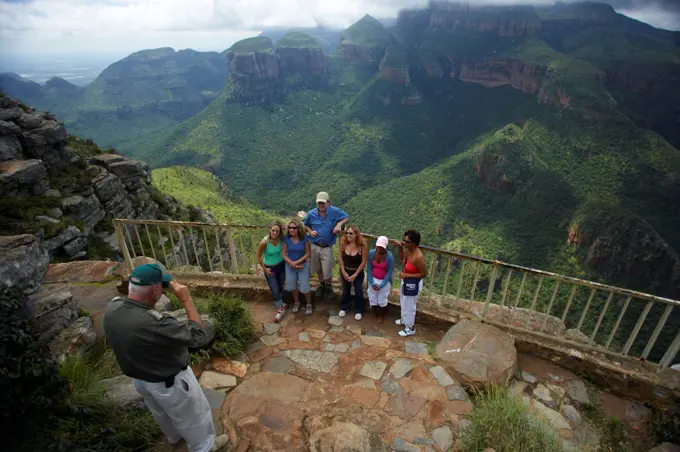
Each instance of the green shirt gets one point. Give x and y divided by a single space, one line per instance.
148 345
272 254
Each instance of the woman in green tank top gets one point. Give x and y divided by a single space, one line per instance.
270 257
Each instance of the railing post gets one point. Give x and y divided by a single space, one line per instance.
618 322
507 288
519 296
657 330
670 354
599 319
585 310
160 237
489 293
636 330
207 249
232 248
446 277
563 325
123 244
460 279
474 285
172 244
547 311
219 248
431 275
193 246
148 236
139 240
533 302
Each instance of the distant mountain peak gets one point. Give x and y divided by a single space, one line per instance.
249 45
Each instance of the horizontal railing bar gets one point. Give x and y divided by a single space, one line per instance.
526 270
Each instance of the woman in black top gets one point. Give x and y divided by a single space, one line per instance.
353 255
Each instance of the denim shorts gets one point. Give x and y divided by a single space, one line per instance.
295 277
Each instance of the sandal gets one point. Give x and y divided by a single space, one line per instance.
296 307
309 309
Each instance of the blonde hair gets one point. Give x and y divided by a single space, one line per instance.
360 240
272 224
302 232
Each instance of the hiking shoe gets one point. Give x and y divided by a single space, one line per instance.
342 313
407 332
279 315
296 307
220 443
398 322
309 309
358 316
319 293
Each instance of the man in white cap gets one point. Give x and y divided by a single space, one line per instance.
323 224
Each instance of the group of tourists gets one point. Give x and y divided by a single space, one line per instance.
290 255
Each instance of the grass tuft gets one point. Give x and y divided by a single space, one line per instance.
233 325
501 421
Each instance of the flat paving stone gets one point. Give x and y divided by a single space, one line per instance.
443 436
400 368
255 346
441 376
529 378
416 348
277 365
456 392
425 441
232 367
271 328
576 390
375 341
403 446
271 340
337 329
356 345
375 333
390 386
216 380
373 369
304 337
335 320
215 398
314 360
335 348
354 329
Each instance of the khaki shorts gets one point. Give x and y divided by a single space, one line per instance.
322 259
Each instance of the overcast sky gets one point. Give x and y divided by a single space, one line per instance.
124 26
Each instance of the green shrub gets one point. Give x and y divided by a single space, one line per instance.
98 249
30 386
89 421
501 421
233 325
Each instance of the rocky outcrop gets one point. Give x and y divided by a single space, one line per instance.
53 310
510 21
365 42
77 190
23 263
623 247
394 65
478 353
361 54
254 71
74 339
526 77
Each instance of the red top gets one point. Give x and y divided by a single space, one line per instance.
379 269
410 268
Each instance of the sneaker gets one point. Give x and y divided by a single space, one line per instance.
309 309
320 291
342 313
296 307
279 315
407 332
358 316
398 322
220 443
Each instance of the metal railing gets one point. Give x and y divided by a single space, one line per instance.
585 314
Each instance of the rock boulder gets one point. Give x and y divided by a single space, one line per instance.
121 391
73 340
54 310
23 178
478 353
23 263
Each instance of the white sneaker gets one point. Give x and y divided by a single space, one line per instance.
398 322
220 443
342 313
358 317
407 332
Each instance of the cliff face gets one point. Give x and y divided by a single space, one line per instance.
255 76
625 248
370 55
259 72
310 61
66 191
394 67
526 77
516 21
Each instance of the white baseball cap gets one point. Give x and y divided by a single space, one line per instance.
382 242
322 196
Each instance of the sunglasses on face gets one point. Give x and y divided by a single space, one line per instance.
349 233
292 227
407 241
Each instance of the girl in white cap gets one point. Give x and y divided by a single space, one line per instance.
380 267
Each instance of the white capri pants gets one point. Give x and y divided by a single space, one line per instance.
378 297
181 411
408 305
